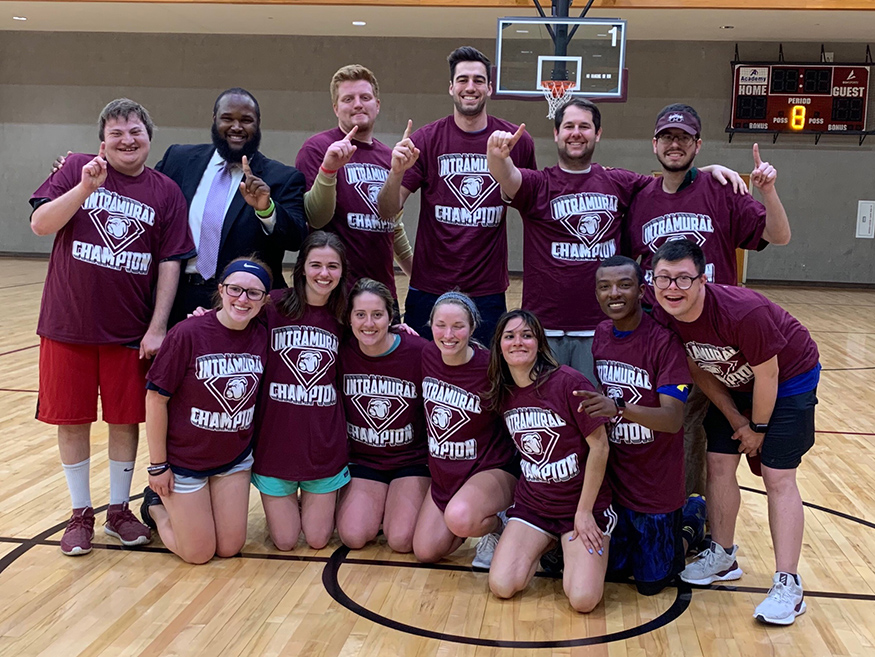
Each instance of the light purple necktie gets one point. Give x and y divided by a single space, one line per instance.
211 224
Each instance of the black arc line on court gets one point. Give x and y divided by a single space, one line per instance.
332 585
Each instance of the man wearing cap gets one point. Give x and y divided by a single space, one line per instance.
683 204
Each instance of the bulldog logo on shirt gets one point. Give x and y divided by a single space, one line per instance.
623 381
532 431
726 363
232 380
307 351
676 226
468 177
448 408
119 220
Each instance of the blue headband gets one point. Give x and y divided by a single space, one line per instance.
248 267
465 300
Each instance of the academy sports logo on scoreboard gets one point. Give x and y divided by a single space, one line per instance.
753 81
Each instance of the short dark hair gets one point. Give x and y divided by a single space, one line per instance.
676 250
679 107
623 261
122 108
237 91
584 104
468 54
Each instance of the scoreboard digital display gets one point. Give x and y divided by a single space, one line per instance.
800 97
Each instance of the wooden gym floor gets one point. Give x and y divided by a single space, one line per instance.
145 601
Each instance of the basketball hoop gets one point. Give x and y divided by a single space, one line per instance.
557 93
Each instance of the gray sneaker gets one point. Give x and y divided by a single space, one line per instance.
484 551
713 565
783 603
486 545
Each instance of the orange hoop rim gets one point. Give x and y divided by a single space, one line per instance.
558 88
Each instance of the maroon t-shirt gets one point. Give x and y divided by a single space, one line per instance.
383 404
369 239
100 285
739 328
571 222
301 431
464 436
213 374
461 239
645 467
551 437
706 212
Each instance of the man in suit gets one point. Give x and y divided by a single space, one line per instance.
239 201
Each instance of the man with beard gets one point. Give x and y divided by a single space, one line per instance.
572 220
239 201
345 168
682 204
461 239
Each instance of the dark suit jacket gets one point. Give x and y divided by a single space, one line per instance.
242 232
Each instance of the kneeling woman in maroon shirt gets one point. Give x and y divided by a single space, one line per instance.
562 495
382 396
200 407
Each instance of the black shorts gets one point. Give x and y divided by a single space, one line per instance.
387 476
789 436
606 520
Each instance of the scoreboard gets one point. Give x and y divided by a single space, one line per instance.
800 97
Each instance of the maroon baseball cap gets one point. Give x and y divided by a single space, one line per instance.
680 120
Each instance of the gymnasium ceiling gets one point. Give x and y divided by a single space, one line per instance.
451 22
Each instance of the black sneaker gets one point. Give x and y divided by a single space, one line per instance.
150 498
553 562
693 523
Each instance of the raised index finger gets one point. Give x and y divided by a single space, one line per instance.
102 152
351 133
246 170
756 155
517 135
409 128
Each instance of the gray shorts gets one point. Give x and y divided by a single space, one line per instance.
576 352
183 484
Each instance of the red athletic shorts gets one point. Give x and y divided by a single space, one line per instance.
71 374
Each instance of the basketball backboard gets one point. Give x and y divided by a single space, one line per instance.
532 52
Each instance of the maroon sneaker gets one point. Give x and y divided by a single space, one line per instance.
123 524
80 530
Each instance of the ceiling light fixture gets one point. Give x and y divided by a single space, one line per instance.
727 27
19 18
359 23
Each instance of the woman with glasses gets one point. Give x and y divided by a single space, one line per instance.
301 429
200 408
382 396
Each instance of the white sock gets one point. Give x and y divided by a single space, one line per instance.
78 483
121 474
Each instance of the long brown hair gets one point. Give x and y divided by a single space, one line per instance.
294 299
500 379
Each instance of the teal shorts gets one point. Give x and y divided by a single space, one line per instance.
283 488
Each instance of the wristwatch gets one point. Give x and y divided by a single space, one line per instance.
758 428
620 403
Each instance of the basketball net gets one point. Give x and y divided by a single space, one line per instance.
557 93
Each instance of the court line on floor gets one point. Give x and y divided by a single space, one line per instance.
848 433
17 390
15 351
830 369
7 287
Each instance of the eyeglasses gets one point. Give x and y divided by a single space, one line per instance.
683 281
682 139
252 293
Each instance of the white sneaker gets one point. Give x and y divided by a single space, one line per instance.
783 603
713 565
486 545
